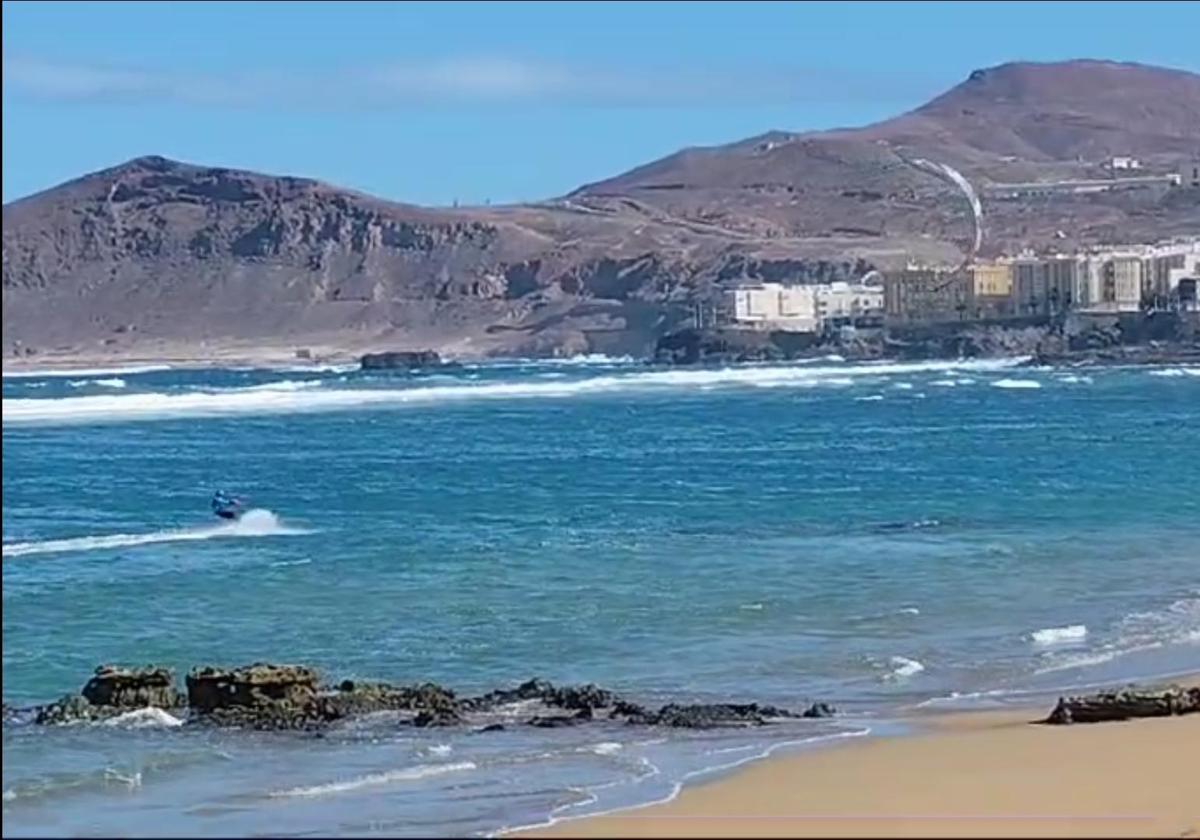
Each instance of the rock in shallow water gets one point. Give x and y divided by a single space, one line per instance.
290 697
132 688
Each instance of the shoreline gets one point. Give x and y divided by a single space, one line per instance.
108 365
951 773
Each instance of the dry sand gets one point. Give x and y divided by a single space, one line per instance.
973 775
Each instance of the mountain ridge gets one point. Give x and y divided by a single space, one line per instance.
159 253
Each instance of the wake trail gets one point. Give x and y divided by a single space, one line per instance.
254 523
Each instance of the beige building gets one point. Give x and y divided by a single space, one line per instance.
990 292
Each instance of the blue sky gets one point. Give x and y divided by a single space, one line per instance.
431 103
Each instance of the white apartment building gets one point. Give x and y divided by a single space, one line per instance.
774 306
804 308
848 301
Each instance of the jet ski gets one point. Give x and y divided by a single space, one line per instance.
225 506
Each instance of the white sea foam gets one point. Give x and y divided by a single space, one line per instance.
870 398
408 774
254 523
283 386
945 383
903 386
1074 380
102 383
83 372
1176 372
903 667
147 718
10 795
909 611
1059 635
1177 623
1017 383
440 749
98 409
130 780
606 748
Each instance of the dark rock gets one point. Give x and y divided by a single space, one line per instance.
554 721
400 360
819 710
132 688
1125 704
710 715
443 717
565 697
491 727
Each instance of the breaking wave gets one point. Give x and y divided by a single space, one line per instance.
1059 635
902 668
147 718
305 398
102 383
1017 384
83 372
408 774
254 523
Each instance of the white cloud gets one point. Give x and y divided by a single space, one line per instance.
474 79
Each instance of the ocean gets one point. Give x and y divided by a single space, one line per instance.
886 537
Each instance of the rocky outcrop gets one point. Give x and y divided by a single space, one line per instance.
260 696
132 688
1125 704
400 360
111 691
212 689
691 346
291 697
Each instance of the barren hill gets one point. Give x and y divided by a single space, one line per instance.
156 257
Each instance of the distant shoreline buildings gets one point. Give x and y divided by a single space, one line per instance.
1099 281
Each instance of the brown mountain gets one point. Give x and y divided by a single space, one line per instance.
155 257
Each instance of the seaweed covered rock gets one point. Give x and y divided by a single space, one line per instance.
1125 704
132 688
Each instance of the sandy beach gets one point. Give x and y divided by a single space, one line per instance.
985 774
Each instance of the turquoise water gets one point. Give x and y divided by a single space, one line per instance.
879 536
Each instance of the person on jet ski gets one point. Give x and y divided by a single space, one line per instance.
225 505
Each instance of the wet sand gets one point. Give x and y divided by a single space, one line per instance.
979 774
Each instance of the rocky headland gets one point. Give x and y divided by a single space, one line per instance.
292 697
